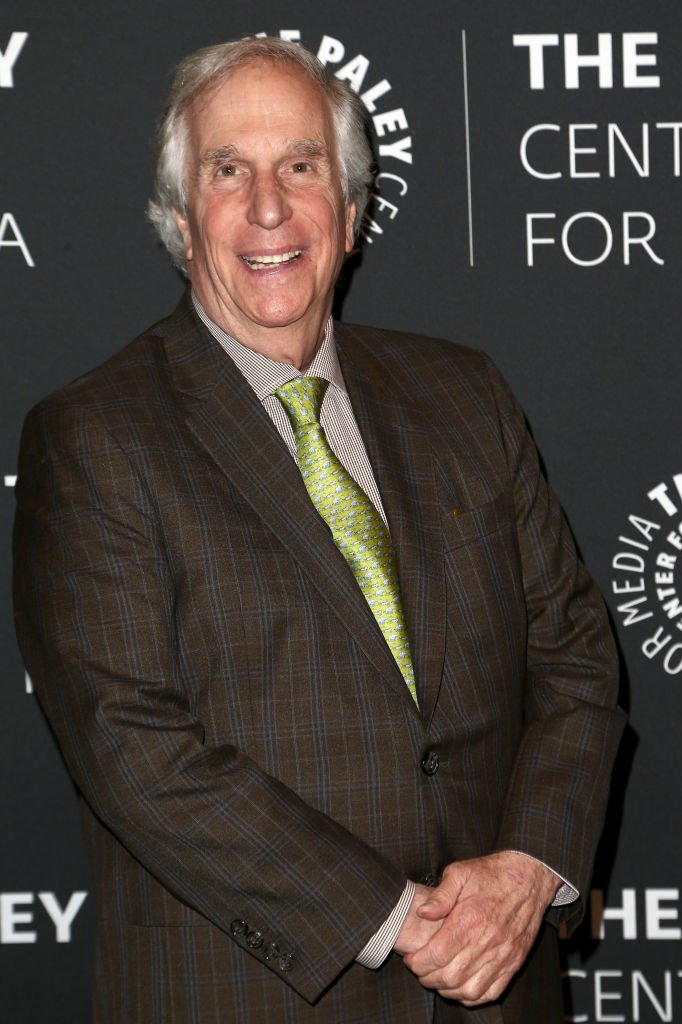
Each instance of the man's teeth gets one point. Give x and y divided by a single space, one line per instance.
261 262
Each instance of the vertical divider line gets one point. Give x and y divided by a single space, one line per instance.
468 146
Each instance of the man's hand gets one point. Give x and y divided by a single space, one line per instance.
416 931
489 911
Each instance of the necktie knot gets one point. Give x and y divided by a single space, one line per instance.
302 400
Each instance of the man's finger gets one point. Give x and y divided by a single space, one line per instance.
444 897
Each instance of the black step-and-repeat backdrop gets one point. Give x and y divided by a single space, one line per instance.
529 203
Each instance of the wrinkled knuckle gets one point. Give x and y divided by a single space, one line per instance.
496 990
451 977
441 955
473 992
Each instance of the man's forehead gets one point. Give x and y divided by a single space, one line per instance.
239 85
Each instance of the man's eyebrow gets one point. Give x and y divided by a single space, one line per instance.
308 147
219 156
294 147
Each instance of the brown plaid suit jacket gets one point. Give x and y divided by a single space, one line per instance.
248 754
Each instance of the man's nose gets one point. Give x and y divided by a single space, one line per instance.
268 203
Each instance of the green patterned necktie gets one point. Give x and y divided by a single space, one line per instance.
357 528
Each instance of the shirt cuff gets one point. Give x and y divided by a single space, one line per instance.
374 952
566 893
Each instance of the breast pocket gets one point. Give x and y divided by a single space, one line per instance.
484 576
468 525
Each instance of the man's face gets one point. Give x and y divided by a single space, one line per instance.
266 226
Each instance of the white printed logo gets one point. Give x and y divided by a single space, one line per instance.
23 918
647 585
8 58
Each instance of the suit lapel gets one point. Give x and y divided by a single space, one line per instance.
229 422
397 439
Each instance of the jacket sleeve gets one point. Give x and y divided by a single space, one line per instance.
94 613
557 793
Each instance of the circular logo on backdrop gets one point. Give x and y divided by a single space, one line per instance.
394 142
647 581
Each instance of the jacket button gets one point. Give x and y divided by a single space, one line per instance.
239 927
254 940
285 962
271 951
430 762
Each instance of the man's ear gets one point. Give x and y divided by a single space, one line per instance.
183 228
350 228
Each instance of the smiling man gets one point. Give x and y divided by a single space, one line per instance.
266 226
307 621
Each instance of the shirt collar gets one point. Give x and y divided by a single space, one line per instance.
266 375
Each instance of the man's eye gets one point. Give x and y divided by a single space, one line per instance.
227 171
300 167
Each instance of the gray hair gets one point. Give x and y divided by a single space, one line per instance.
212 65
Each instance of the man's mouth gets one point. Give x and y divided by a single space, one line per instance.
265 262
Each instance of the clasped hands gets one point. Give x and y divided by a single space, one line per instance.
468 937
